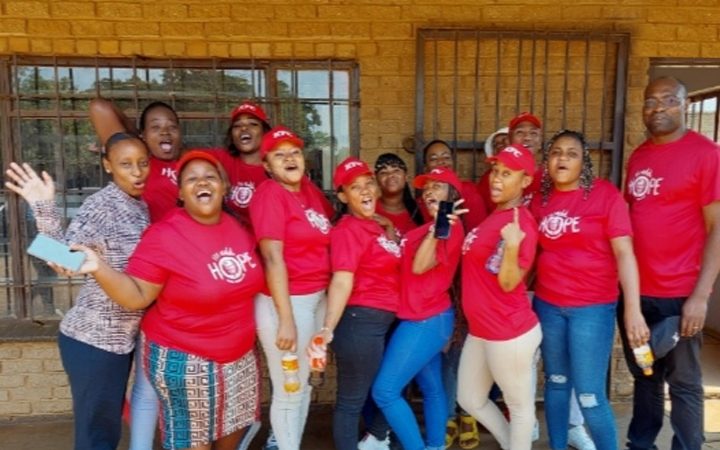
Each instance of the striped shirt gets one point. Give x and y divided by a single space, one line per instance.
111 223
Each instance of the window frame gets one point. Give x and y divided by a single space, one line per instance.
17 283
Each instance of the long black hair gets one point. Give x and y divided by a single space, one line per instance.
586 173
393 160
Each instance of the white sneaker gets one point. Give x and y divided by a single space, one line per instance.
536 431
579 439
370 442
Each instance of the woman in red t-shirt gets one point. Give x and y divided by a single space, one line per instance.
396 201
159 128
362 298
293 232
200 267
504 333
427 318
585 247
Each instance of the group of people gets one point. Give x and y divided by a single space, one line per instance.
192 254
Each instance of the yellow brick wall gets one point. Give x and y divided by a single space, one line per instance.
32 380
379 34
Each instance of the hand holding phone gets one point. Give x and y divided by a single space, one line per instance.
442 222
48 249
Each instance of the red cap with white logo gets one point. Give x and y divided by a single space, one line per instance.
275 137
516 157
348 170
251 109
442 174
524 117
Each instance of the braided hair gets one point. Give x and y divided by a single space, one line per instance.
586 173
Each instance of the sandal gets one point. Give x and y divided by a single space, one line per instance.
451 432
469 436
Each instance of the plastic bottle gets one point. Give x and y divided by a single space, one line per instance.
644 358
318 361
290 368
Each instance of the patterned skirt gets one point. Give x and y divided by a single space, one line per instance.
202 400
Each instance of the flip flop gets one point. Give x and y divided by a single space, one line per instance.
469 436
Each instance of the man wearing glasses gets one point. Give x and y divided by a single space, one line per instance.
673 188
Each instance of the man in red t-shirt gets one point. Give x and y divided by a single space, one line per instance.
673 188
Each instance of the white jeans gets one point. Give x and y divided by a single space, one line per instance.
509 364
288 412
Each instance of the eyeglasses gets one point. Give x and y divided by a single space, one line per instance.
668 102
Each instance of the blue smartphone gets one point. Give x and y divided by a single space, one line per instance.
442 223
48 249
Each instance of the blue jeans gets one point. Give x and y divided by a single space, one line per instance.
144 405
576 348
98 380
359 344
415 351
681 369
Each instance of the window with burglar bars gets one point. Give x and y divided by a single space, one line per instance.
703 115
471 82
44 121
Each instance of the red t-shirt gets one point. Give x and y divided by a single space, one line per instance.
667 187
576 265
491 313
161 189
360 246
244 181
210 275
423 296
298 220
402 221
484 190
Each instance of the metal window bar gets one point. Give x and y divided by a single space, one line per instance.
572 77
702 120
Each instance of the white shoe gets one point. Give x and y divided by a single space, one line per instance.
579 439
370 442
536 431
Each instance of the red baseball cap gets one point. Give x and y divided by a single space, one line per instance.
276 136
516 157
194 154
348 170
442 174
251 109
524 117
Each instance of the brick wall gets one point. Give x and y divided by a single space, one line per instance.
32 380
379 34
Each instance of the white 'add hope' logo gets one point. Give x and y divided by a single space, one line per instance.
644 184
229 266
469 239
556 224
318 220
170 173
242 192
389 246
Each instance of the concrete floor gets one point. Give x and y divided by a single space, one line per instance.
56 433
